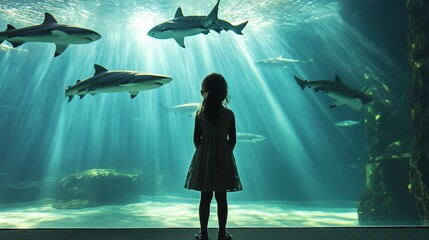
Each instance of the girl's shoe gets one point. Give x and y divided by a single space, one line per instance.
225 236
201 236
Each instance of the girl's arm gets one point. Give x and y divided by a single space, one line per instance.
232 135
197 133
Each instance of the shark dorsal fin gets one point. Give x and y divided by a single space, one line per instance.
49 19
212 18
10 27
179 13
338 79
99 69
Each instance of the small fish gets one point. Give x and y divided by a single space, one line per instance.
249 137
346 123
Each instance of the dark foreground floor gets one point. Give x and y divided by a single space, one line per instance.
324 233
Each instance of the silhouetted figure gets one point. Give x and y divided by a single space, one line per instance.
213 167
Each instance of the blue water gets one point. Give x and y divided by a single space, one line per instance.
305 158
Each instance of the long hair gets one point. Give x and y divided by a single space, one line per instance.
215 97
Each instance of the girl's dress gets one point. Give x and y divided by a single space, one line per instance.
213 165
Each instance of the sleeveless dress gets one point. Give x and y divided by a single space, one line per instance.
213 166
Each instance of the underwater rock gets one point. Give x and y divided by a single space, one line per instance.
96 187
418 42
386 200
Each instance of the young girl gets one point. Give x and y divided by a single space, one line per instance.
213 166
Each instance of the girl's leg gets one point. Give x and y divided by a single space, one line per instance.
204 211
222 211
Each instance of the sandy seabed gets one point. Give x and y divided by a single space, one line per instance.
174 212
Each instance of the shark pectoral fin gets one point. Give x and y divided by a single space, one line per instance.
133 94
180 41
16 44
179 13
60 49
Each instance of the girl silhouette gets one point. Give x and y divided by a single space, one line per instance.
213 167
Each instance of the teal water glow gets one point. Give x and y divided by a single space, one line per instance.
304 157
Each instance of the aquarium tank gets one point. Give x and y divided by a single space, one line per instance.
98 102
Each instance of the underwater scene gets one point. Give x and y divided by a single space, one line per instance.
98 102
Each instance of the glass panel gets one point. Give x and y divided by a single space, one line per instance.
308 153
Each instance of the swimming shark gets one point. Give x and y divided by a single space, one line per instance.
249 137
184 26
50 31
342 94
187 108
105 81
281 62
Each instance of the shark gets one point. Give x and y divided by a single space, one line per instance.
106 81
184 26
50 31
342 94
281 62
249 137
187 108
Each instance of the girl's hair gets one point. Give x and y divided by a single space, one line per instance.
215 97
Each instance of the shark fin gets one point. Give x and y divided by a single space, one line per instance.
212 17
338 79
99 69
238 28
206 32
10 27
180 41
16 44
70 98
218 29
300 82
78 81
134 93
49 19
60 49
179 13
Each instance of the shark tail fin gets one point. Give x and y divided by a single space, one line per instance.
212 18
238 28
300 82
